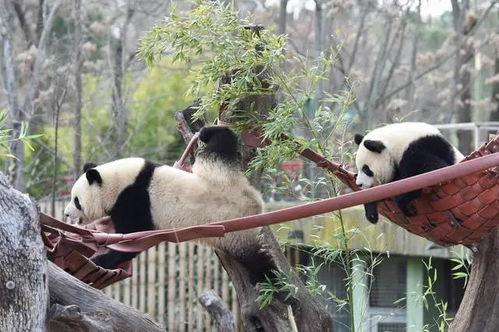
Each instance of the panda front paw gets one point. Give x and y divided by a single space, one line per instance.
371 211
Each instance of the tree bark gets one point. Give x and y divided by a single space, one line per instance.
220 315
309 313
460 98
479 310
75 306
411 88
7 30
77 87
118 45
23 266
494 114
283 14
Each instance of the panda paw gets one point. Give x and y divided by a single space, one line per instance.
409 210
372 217
371 211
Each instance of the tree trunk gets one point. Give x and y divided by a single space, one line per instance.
479 310
75 306
283 14
7 30
309 313
460 98
494 114
119 111
23 266
77 88
411 88
319 48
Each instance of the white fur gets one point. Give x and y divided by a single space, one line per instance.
213 192
396 137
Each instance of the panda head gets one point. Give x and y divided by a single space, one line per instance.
219 142
85 204
374 163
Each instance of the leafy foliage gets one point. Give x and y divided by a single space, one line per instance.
226 43
6 139
232 60
280 283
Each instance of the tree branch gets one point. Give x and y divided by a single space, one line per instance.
220 315
92 305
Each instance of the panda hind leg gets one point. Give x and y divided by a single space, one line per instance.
405 202
419 159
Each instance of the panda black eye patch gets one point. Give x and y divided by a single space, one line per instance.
367 171
77 203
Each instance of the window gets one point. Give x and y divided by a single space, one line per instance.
392 327
389 283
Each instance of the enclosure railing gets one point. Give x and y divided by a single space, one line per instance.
479 129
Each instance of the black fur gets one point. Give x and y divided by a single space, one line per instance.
374 146
421 156
88 166
93 175
131 213
220 142
371 210
358 138
367 171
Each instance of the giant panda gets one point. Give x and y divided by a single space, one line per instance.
140 195
398 151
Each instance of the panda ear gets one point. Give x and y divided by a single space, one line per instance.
88 166
374 146
358 138
93 175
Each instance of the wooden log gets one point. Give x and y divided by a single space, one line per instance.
23 266
479 310
75 306
220 315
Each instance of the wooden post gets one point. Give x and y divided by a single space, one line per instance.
23 266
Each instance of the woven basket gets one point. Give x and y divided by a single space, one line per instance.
461 211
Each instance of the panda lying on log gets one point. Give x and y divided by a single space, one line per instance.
398 151
140 195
